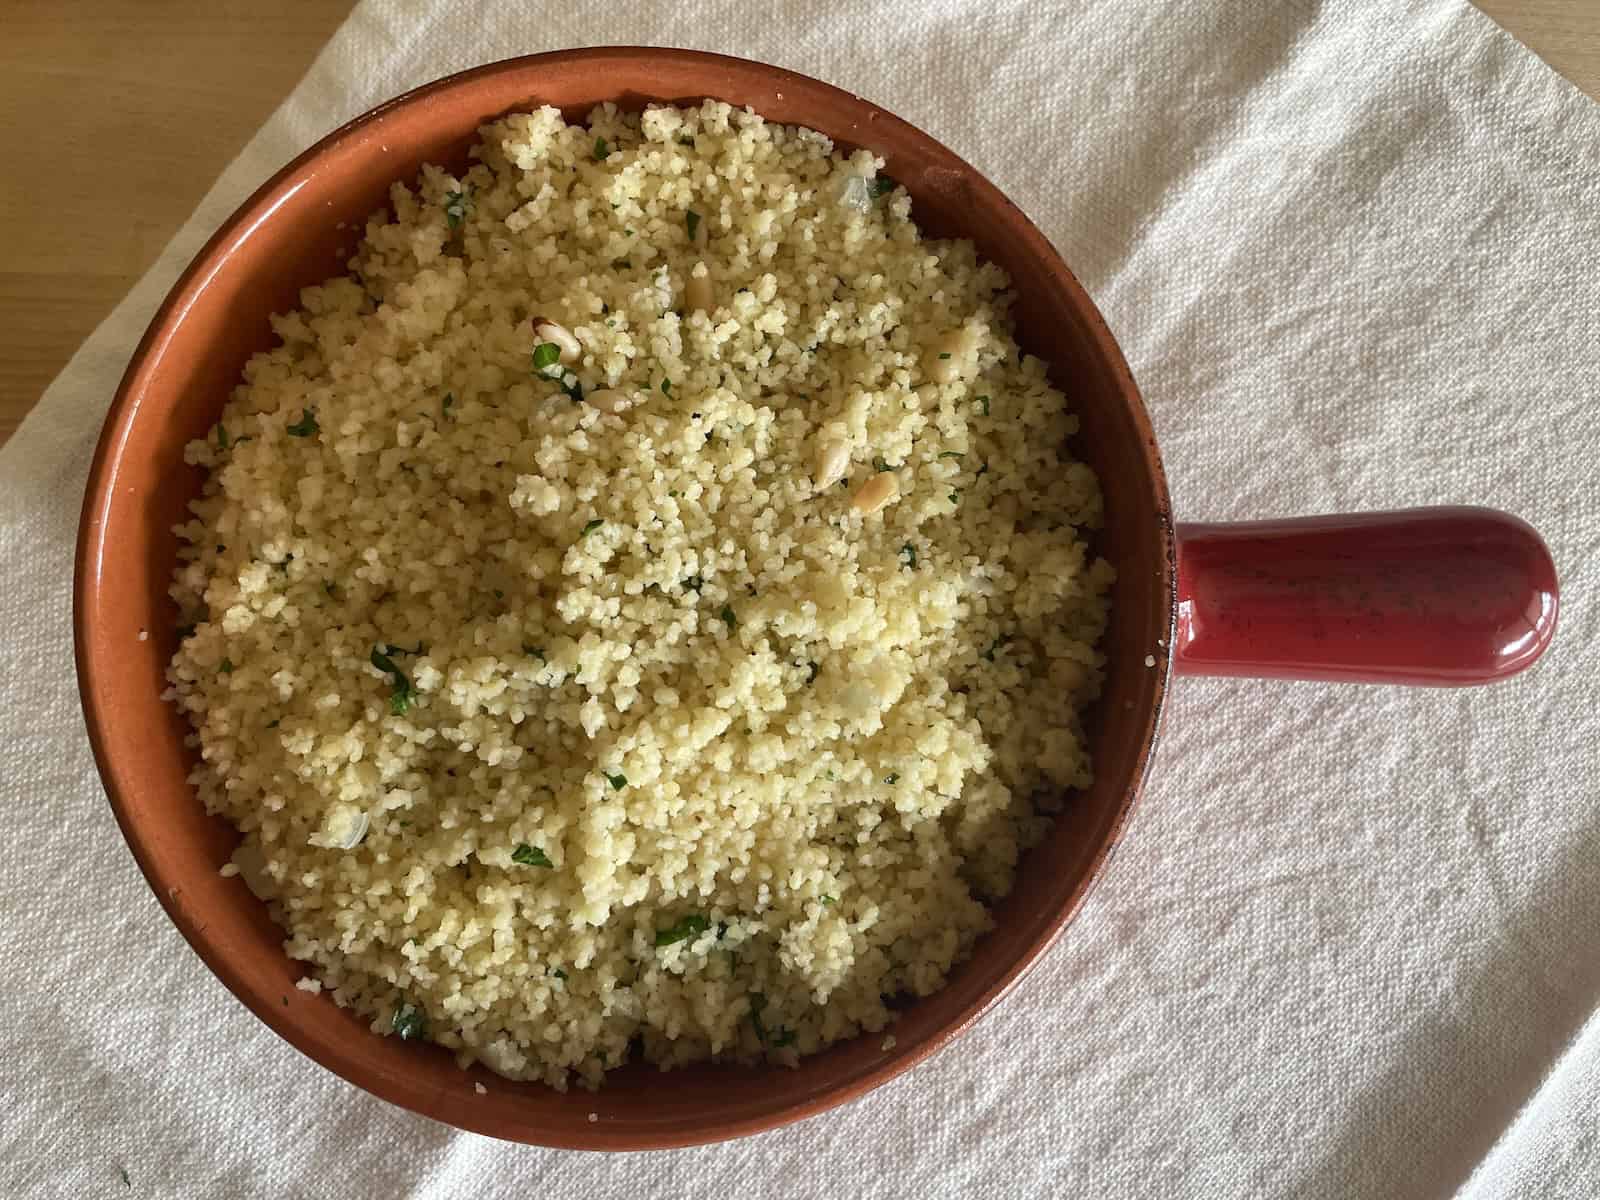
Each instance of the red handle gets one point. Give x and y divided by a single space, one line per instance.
1441 596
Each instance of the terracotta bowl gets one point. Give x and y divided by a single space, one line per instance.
1237 616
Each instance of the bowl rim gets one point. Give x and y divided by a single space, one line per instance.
187 290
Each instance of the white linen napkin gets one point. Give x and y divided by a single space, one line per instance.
1348 946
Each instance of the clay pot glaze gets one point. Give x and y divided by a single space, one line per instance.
1316 600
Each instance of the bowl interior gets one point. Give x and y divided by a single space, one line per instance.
293 233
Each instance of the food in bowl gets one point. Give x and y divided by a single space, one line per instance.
644 608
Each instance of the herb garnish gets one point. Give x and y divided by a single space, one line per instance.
226 666
984 401
455 208
444 405
617 781
307 424
909 553
409 1022
666 387
401 699
727 615
601 150
882 186
693 584
691 220
545 354
686 928
530 856
591 527
222 437
951 454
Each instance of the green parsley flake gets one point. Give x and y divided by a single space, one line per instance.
882 186
557 972
891 778
830 899
617 781
955 496
909 553
944 354
983 401
951 454
449 399
306 426
693 584
222 437
455 208
530 856
811 673
545 354
591 527
727 615
601 150
691 221
409 1022
403 695
879 465
686 928
226 666
666 387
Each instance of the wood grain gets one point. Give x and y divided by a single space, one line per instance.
117 115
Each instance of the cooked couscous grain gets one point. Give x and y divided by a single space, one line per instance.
638 607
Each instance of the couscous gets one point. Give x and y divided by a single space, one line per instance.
643 607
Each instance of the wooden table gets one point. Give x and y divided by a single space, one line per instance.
145 102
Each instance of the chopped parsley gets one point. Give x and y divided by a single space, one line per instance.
409 1022
591 527
830 899
666 387
811 672
498 594
455 208
122 1172
403 695
444 405
727 615
569 384
892 778
307 425
557 972
693 584
530 856
909 553
882 186
617 781
545 354
601 150
226 666
687 927
951 454
534 652
222 437
691 221
944 354
983 402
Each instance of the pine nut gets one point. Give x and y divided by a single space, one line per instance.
875 493
832 461
948 359
558 335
